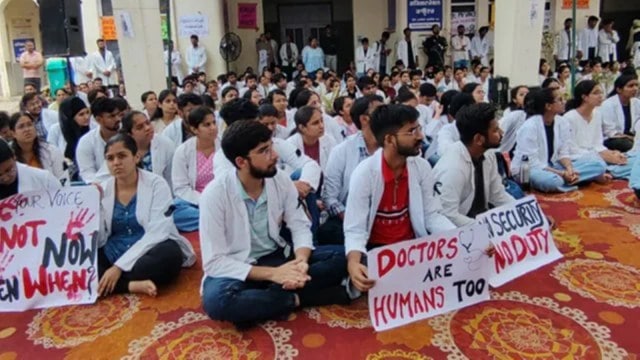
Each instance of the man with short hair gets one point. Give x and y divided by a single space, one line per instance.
408 51
179 131
104 66
460 44
366 86
196 56
31 62
329 44
467 178
565 46
391 193
589 38
43 118
479 47
366 58
436 46
253 274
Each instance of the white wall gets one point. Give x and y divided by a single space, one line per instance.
91 11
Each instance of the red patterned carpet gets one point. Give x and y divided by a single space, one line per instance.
586 306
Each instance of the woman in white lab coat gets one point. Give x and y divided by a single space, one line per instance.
621 113
31 151
18 178
139 245
309 136
167 111
192 168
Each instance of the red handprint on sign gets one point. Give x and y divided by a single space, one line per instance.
78 223
8 206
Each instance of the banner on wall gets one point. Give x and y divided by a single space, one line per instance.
423 14
19 47
48 248
580 4
193 25
522 239
466 18
247 16
108 28
421 278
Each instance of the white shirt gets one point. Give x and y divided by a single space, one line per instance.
613 116
588 39
90 155
581 137
510 124
455 183
532 142
447 135
196 58
457 45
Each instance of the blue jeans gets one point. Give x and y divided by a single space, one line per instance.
623 171
634 179
186 215
547 181
249 302
461 63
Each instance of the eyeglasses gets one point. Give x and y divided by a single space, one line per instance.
413 132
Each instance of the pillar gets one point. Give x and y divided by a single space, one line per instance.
518 40
91 12
5 53
141 55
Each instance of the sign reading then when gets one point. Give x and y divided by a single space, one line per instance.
49 248
108 25
421 278
522 239
423 14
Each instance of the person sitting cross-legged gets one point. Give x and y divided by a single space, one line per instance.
253 274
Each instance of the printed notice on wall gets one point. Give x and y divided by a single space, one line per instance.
193 25
48 248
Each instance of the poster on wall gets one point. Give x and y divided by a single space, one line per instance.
193 25
164 27
247 16
18 47
21 28
49 248
108 28
466 18
423 14
580 4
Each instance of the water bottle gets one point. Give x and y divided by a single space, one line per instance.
524 172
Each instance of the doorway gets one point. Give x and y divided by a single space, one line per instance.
303 22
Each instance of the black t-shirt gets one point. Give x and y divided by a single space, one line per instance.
9 190
548 131
478 206
411 56
626 110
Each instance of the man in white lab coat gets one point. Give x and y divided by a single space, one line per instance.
589 38
104 65
366 58
196 56
407 51
564 43
607 41
480 46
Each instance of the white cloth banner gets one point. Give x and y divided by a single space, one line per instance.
421 278
522 239
193 25
48 248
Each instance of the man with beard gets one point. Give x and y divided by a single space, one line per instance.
378 210
435 46
90 150
251 273
467 178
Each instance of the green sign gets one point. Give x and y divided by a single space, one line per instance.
164 26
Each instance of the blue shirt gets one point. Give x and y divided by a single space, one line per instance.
146 162
313 59
125 230
261 243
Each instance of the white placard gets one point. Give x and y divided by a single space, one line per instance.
193 25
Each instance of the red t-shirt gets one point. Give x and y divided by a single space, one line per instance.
392 223
313 151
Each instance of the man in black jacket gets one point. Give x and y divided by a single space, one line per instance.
435 46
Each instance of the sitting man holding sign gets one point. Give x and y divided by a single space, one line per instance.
18 178
391 192
252 274
140 247
467 175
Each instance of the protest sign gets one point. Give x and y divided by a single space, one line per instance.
522 239
48 248
421 278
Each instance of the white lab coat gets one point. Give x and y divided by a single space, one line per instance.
294 54
153 201
607 45
196 58
588 38
457 44
225 232
100 64
480 48
274 50
81 65
562 45
174 132
402 51
532 142
365 193
56 138
326 145
52 160
176 64
455 183
33 179
447 135
331 126
184 171
613 116
90 155
367 61
509 124
49 118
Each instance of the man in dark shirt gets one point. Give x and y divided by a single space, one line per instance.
435 47
329 44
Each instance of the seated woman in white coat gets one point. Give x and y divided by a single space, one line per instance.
139 246
585 129
621 111
179 131
309 98
309 136
18 178
155 150
192 168
31 151
449 134
75 121
541 141
167 111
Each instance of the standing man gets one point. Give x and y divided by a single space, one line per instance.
289 55
480 46
104 66
31 62
607 40
265 53
196 56
329 44
366 58
460 44
383 53
436 46
589 38
407 51
564 45
274 49
82 71
175 61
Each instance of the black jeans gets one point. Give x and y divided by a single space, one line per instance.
161 265
620 144
331 232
